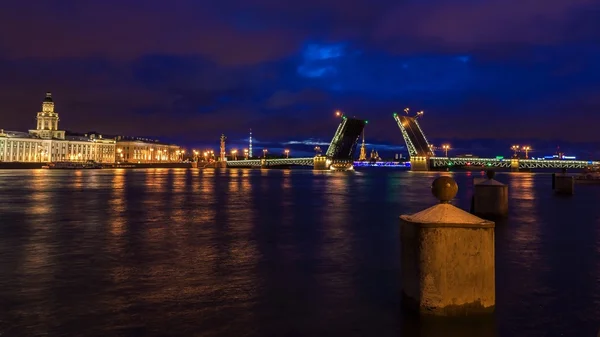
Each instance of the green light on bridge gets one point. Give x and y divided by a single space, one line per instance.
499 157
450 164
395 114
366 122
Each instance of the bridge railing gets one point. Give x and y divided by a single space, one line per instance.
271 162
507 163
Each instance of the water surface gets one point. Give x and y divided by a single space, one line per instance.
176 252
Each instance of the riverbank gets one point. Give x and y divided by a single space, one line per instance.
24 166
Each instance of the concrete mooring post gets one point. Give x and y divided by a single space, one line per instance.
448 266
490 197
562 183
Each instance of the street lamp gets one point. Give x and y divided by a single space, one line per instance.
515 148
265 153
318 150
446 147
234 154
338 113
246 154
526 149
406 110
287 153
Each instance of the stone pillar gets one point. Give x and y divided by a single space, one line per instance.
563 184
490 197
448 266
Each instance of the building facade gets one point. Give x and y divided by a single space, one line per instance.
141 150
46 143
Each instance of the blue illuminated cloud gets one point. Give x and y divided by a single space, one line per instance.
341 69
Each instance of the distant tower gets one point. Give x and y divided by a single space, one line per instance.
222 155
250 145
363 150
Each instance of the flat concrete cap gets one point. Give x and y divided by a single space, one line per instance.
491 182
448 215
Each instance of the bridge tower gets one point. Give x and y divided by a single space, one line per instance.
419 149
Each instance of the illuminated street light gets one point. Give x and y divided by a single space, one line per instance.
406 110
234 154
246 154
338 113
265 153
287 153
446 147
526 149
318 150
515 148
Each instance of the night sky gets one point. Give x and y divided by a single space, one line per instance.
487 73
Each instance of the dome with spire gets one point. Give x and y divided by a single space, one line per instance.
48 97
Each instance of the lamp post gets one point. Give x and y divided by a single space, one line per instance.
446 147
234 154
246 154
526 149
287 153
265 153
515 148
318 150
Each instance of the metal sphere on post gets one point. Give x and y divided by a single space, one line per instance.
447 258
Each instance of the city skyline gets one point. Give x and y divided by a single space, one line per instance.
189 73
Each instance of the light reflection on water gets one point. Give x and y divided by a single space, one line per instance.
270 253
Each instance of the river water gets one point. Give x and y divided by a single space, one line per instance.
186 252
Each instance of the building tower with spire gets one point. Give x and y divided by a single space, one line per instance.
363 149
47 121
250 145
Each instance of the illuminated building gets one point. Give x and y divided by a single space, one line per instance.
142 150
46 143
375 156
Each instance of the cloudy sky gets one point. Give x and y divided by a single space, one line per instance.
486 72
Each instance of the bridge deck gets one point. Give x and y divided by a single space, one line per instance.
414 137
508 163
271 162
343 144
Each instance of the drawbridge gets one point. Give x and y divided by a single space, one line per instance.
339 155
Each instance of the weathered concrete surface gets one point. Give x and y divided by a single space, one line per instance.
448 266
564 184
490 198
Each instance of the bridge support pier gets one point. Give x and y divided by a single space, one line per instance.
419 163
514 165
321 163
